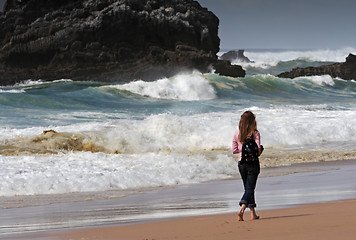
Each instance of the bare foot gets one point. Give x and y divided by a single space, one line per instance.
240 216
255 217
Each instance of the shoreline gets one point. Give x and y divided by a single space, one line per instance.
21 201
308 221
303 184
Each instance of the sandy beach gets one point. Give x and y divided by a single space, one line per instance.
332 220
309 201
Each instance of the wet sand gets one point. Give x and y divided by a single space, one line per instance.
277 188
334 220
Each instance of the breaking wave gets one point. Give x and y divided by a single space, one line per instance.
183 87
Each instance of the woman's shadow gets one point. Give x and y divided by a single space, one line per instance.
288 216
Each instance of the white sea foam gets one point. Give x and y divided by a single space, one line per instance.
267 59
320 80
80 172
28 83
280 127
12 91
184 87
167 149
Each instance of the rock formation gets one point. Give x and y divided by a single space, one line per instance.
236 55
224 67
346 70
105 40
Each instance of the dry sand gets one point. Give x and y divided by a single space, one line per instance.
331 220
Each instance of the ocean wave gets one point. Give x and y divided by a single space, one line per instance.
21 87
281 127
282 66
320 55
156 133
12 91
62 137
165 149
183 87
266 87
29 83
85 172
88 172
275 62
322 80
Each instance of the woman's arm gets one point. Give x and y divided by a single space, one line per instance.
235 144
257 137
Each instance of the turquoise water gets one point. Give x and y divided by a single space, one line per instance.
38 103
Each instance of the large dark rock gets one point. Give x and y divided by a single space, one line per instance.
105 40
224 67
346 70
236 55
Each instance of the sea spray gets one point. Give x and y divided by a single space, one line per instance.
277 61
269 58
83 172
283 127
184 87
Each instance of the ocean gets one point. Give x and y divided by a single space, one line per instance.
66 136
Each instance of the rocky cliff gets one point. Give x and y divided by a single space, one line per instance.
105 40
346 70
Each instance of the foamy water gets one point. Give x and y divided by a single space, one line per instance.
184 87
68 136
268 59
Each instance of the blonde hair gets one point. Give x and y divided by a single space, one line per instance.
247 125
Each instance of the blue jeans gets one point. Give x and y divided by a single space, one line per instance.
249 174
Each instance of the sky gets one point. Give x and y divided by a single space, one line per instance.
1 4
283 24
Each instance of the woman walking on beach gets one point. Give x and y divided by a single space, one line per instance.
249 166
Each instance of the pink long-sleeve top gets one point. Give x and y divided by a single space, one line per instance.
237 145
